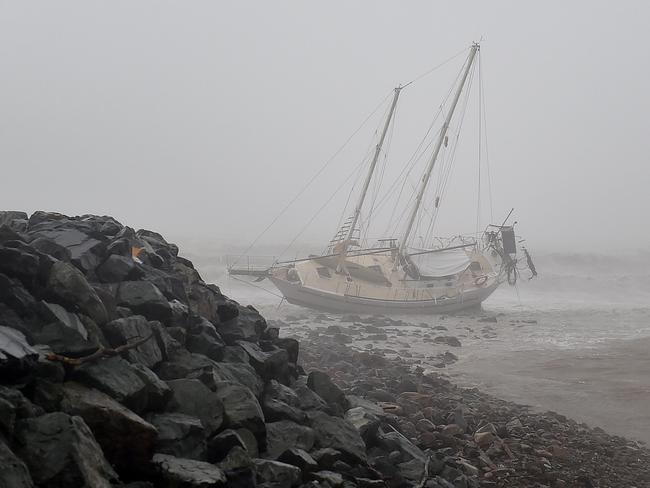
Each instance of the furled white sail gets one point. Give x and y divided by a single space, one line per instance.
439 264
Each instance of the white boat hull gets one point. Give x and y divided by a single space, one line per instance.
298 294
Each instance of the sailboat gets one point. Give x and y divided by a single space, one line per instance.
391 276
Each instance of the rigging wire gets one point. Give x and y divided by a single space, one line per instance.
427 73
313 178
485 136
365 159
255 286
413 160
304 228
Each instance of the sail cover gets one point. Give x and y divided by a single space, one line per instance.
439 264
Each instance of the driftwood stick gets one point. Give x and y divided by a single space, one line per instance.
98 354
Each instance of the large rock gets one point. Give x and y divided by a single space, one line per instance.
173 472
158 392
170 285
15 295
271 364
394 441
247 325
180 435
280 402
299 458
19 262
85 250
65 333
338 434
241 407
60 450
221 444
235 373
193 398
277 474
16 355
364 421
14 473
22 407
48 246
291 345
41 217
126 439
184 364
7 234
238 466
284 435
309 400
168 346
130 329
275 410
117 268
67 284
144 298
9 217
51 312
203 338
118 379
205 300
321 384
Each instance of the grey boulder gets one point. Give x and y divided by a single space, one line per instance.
173 472
241 408
193 398
339 434
69 285
144 298
14 473
126 439
118 379
180 435
130 329
60 450
284 435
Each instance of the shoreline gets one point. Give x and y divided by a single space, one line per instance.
584 383
536 446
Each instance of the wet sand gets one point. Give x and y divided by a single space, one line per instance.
606 386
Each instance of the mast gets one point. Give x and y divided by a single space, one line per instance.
443 132
366 183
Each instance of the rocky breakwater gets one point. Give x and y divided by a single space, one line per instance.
120 366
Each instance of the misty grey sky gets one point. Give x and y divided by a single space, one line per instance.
202 119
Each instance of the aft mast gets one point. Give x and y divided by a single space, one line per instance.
366 184
443 132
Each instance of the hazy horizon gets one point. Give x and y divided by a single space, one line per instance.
202 120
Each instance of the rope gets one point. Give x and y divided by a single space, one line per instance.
306 226
256 286
487 153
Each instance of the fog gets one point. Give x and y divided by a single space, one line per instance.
203 119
